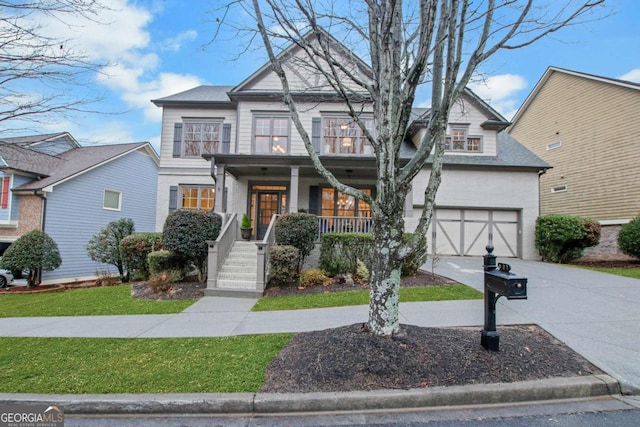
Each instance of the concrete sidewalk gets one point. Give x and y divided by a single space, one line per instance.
596 314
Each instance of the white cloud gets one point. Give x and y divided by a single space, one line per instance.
632 76
501 92
175 43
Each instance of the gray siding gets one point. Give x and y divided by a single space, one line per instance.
74 210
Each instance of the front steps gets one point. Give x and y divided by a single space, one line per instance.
237 277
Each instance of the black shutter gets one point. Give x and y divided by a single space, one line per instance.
177 140
226 138
314 200
316 131
173 198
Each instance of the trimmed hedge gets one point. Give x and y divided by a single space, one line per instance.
629 238
283 265
299 230
135 248
163 260
563 238
340 252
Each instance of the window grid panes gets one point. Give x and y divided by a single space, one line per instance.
201 138
342 135
198 198
459 140
271 135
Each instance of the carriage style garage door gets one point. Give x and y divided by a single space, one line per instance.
466 232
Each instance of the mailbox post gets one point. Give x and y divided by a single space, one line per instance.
498 282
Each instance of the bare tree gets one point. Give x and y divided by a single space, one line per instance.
37 70
439 43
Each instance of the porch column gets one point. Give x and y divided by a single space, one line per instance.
293 189
217 171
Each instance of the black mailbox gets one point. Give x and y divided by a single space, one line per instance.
507 284
498 282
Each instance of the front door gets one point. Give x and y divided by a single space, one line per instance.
269 200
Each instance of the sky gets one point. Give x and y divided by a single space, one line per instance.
156 48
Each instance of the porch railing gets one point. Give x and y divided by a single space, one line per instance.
344 224
219 249
263 254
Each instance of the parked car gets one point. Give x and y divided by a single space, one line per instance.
6 278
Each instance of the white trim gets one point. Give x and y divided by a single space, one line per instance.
614 221
554 145
104 196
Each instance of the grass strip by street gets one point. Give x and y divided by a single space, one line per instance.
103 301
346 298
163 365
634 273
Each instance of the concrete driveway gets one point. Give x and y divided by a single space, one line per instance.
596 314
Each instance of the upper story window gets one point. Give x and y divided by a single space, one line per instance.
201 138
342 135
460 140
271 135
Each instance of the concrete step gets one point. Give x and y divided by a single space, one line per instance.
241 261
236 284
238 275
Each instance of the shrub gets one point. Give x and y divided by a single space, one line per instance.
412 263
186 232
362 272
104 246
135 248
162 282
283 265
164 260
34 251
312 277
563 238
299 230
245 222
340 252
629 238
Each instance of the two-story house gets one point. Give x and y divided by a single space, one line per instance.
51 183
235 150
586 127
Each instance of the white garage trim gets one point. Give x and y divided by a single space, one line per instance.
466 232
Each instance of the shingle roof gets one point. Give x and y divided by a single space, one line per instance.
204 93
510 154
30 139
53 169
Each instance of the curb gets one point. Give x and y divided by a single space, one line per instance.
272 403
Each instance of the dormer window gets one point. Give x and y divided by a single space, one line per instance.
460 140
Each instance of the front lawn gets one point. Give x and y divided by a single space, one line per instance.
345 298
164 365
101 301
627 272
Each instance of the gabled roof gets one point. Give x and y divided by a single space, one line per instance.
292 49
32 140
551 70
510 154
49 171
198 95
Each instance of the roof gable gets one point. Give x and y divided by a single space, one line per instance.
50 143
302 76
551 71
208 94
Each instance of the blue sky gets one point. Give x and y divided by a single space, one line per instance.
156 49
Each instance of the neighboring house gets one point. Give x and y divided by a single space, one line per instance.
260 166
51 183
586 127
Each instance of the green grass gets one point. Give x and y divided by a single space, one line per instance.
341 299
627 272
165 365
109 300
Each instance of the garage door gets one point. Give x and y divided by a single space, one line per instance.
466 232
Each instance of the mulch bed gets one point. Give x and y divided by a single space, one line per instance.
350 359
608 263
